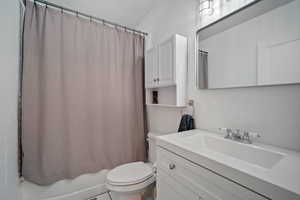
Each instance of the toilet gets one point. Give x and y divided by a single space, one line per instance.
132 181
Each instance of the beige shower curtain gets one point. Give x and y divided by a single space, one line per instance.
83 102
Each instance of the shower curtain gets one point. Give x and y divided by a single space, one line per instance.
83 102
202 70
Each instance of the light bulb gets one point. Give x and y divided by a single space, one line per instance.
205 7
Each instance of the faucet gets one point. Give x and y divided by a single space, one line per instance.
239 135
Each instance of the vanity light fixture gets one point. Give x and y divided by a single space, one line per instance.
205 7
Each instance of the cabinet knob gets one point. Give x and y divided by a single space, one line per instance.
154 80
172 166
157 79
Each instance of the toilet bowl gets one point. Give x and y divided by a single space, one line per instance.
130 181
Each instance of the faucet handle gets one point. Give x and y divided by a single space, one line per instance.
254 134
251 134
228 131
238 132
248 136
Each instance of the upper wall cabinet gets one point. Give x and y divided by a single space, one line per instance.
151 76
166 64
256 46
166 71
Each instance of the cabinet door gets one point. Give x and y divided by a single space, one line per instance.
205 183
166 65
151 75
169 189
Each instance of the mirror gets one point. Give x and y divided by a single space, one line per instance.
255 46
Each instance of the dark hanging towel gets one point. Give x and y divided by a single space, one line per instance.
186 123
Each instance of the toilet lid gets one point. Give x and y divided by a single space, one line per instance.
129 174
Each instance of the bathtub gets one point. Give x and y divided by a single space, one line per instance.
80 188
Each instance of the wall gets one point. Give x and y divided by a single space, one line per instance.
124 12
272 111
9 50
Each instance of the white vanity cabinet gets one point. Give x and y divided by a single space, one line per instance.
170 189
182 179
166 63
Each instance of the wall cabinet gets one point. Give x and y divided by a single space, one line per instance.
166 63
151 68
166 70
179 178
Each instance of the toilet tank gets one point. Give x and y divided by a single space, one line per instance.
152 145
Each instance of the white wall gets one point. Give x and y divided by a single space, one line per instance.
272 111
9 50
125 12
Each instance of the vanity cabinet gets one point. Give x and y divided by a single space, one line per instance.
170 189
166 63
180 179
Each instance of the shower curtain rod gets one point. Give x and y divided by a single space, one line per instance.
89 16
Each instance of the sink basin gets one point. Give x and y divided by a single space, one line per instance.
256 166
248 153
217 145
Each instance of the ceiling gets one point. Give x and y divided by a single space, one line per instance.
125 12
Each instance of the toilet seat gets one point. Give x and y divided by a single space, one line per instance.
129 174
130 177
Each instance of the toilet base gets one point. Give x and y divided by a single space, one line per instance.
144 194
118 196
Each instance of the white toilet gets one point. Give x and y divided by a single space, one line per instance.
132 180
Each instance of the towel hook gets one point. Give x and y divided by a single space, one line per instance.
190 104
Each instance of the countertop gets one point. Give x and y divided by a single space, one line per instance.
281 182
